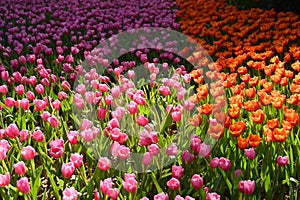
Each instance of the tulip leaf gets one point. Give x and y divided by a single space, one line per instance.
158 188
37 182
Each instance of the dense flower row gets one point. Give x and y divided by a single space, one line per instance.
232 35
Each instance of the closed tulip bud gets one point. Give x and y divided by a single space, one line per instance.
20 168
23 185
24 104
28 153
197 181
68 169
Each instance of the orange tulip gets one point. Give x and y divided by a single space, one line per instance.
268 134
196 120
216 131
250 92
254 140
237 128
234 112
291 116
205 109
280 134
242 143
251 105
258 116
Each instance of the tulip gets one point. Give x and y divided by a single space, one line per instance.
250 153
282 160
173 184
68 169
177 171
20 168
246 187
104 163
23 185
28 153
197 181
70 194
4 179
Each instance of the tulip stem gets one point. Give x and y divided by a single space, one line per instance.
33 167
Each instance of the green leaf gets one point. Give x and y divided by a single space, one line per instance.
267 183
54 186
37 183
158 188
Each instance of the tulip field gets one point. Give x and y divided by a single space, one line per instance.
160 99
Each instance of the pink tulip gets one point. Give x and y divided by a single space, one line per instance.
105 185
4 179
24 104
113 193
197 181
129 183
173 184
176 116
28 153
4 75
39 88
56 148
282 160
115 92
246 187
10 102
23 185
19 89
132 107
53 121
204 150
147 159
172 150
164 90
3 90
32 80
77 159
250 153
237 173
187 157
68 169
153 149
30 95
62 95
12 131
38 136
72 137
212 196
104 163
124 152
56 104
196 142
214 163
141 120
102 113
70 194
66 86
177 171
161 196
224 164
20 168
23 135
